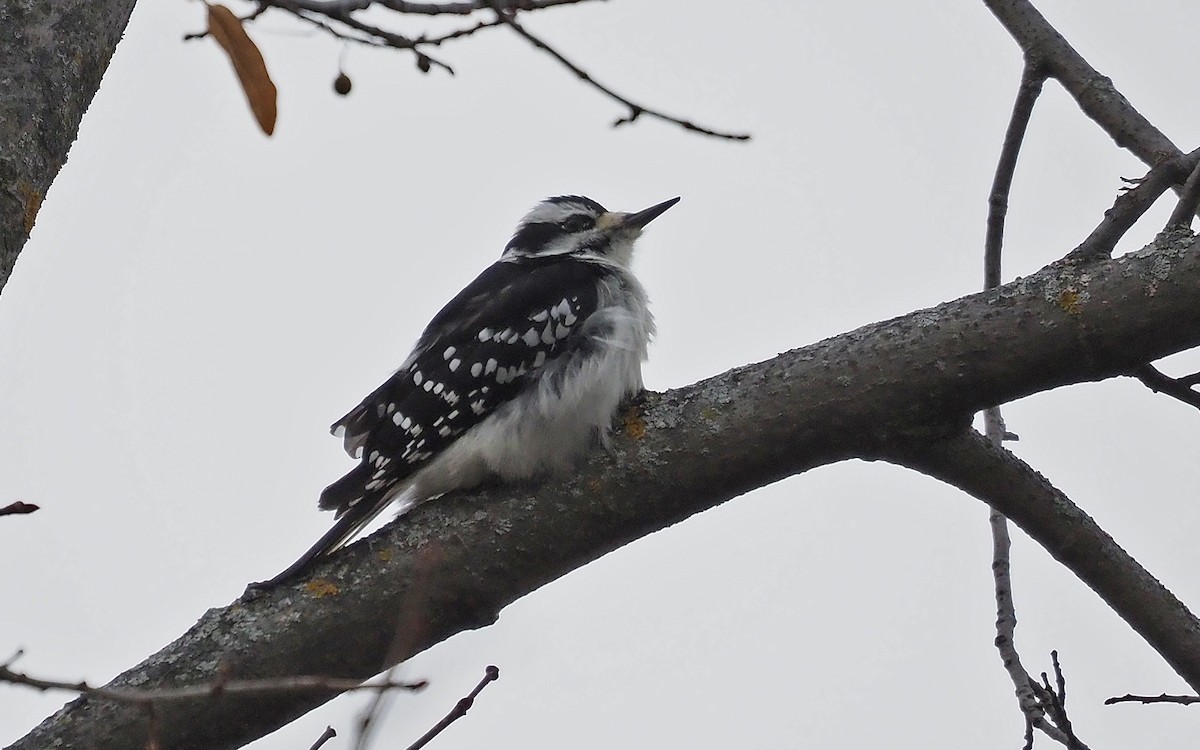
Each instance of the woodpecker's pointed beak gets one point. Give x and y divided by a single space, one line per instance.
647 215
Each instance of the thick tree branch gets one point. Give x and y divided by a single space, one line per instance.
454 564
1000 479
52 55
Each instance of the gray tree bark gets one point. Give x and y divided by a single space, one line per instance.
52 57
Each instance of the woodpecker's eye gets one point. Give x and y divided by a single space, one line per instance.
578 223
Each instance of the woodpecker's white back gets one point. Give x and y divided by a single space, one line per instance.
515 377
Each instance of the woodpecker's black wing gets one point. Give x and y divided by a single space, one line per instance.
477 353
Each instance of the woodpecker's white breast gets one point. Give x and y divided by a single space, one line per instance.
572 401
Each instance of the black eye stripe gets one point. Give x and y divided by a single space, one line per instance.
578 223
531 237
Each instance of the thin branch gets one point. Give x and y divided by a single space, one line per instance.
1189 200
1183 700
1006 614
435 41
329 7
635 110
390 38
334 32
367 719
1093 92
1054 698
1032 78
18 508
326 736
1132 204
262 8
222 686
1159 382
460 709
331 16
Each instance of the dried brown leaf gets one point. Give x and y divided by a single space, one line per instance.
247 61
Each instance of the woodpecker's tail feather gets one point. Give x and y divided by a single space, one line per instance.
348 491
356 507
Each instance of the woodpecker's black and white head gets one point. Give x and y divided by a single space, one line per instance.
581 228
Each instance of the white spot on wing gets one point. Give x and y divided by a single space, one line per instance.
490 367
448 353
540 359
417 377
531 337
454 363
476 370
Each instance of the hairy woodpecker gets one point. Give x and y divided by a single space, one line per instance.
516 375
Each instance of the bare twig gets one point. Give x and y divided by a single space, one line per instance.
460 710
635 110
297 684
434 41
1183 700
337 18
1032 78
1054 698
1189 200
392 39
1031 707
328 28
325 7
18 508
262 7
368 718
326 736
1132 204
1178 388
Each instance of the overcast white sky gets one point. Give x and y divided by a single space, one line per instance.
198 303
